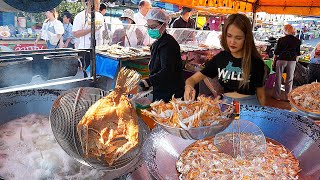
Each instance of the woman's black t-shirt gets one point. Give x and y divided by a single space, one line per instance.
229 72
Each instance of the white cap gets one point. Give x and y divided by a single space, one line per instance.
158 14
128 13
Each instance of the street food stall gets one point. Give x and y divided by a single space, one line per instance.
19 42
22 44
24 125
70 129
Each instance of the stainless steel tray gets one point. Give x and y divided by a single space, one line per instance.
161 151
307 114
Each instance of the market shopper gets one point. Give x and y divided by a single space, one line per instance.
239 68
286 56
82 26
166 75
129 35
140 16
52 31
105 33
140 19
103 8
185 20
187 34
314 65
68 39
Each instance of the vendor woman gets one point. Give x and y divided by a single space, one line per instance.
165 66
239 67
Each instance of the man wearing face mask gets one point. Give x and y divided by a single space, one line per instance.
128 35
166 75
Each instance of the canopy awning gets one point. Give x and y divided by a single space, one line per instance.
4 7
216 6
294 7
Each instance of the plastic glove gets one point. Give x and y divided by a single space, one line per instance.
144 85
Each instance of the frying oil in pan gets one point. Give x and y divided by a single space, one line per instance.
28 150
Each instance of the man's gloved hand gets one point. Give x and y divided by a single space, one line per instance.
144 85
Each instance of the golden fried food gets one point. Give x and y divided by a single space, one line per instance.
110 126
202 160
306 97
188 114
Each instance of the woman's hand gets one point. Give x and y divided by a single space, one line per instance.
261 95
189 93
144 85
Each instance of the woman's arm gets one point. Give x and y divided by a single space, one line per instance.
261 96
67 43
189 92
61 40
37 39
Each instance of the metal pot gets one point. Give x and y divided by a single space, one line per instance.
299 134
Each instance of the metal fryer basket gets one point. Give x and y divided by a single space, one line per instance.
67 110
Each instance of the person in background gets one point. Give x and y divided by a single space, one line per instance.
314 65
166 75
140 19
140 16
103 9
286 56
82 26
129 35
67 36
52 30
239 68
185 20
300 35
105 33
206 27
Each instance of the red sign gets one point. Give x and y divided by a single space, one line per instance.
26 47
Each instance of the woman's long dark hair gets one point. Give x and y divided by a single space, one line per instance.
249 49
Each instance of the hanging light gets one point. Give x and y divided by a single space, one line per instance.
245 7
225 5
216 4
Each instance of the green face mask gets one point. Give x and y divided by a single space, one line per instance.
154 33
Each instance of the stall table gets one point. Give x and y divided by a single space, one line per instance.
109 66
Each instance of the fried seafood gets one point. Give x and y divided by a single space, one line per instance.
109 129
116 50
306 97
188 114
202 160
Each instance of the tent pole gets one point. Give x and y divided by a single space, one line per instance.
253 20
93 43
301 29
254 11
197 16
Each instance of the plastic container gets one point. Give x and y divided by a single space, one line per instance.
144 103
